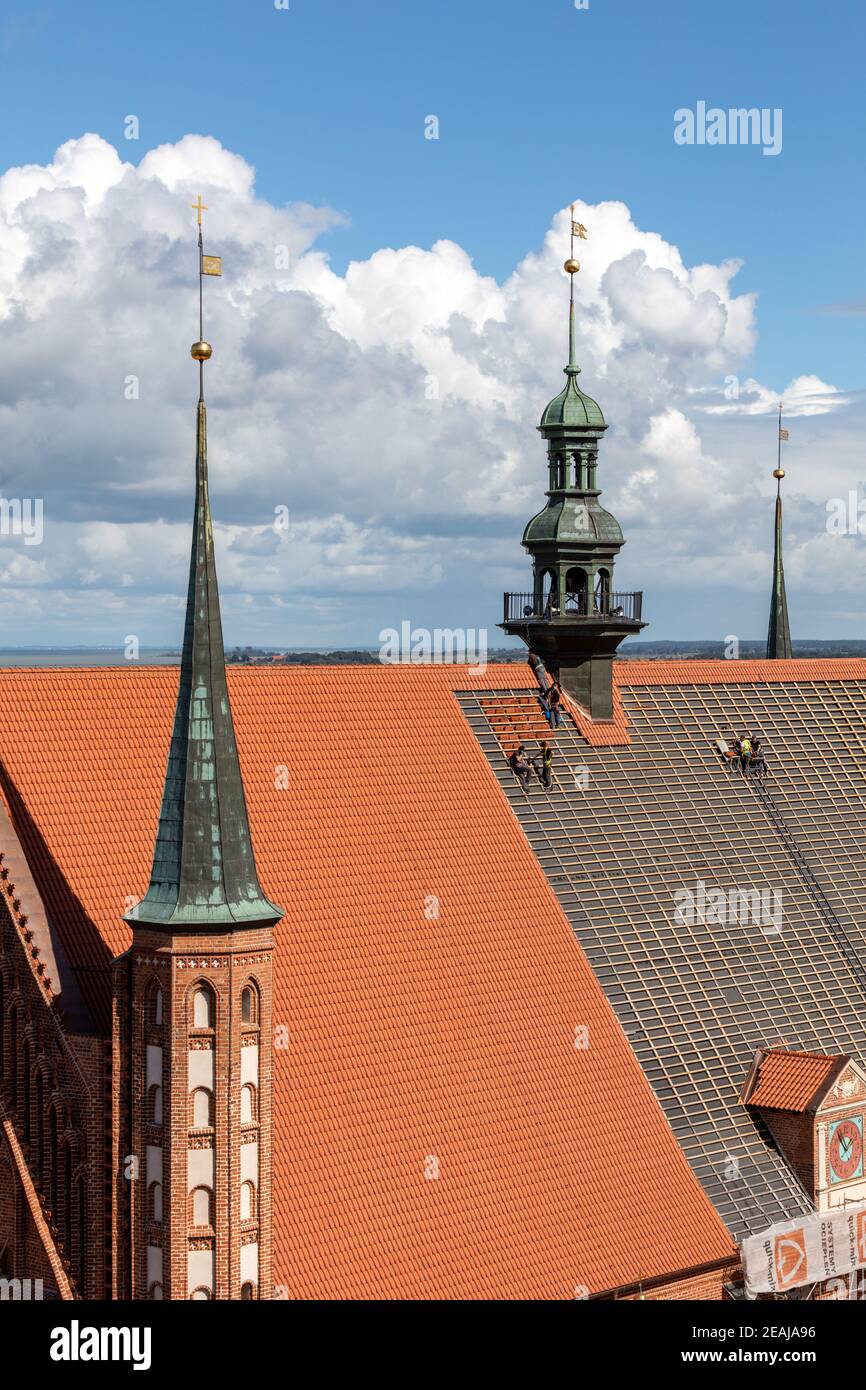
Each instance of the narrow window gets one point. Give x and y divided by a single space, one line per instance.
248 1201
249 1104
201 1206
202 1109
202 1009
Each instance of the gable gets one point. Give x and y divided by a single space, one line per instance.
849 1088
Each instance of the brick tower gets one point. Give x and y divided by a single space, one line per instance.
199 983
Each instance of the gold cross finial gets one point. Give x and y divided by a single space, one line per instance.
199 207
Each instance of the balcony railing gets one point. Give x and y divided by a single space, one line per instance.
602 607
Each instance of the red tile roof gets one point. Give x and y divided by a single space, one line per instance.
429 982
787 1080
737 672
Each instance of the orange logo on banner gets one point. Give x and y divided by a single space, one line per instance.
789 1257
861 1237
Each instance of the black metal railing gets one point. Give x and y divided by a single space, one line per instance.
601 607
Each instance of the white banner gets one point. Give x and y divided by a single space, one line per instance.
814 1247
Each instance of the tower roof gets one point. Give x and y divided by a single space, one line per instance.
204 872
572 407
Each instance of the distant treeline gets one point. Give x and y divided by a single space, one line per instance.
630 651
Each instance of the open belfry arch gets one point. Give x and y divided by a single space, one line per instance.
200 981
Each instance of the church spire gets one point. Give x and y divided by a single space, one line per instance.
779 634
204 872
574 619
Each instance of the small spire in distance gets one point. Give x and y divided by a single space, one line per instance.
779 633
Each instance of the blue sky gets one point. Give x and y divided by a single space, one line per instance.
538 104
536 101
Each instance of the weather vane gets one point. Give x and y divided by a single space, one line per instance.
778 471
571 268
207 265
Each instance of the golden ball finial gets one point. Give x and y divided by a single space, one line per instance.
201 351
572 266
778 472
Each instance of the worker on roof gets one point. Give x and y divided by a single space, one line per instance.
520 766
745 752
758 764
553 702
539 671
543 764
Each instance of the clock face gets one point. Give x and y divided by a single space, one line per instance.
845 1149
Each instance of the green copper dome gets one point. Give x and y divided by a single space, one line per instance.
572 407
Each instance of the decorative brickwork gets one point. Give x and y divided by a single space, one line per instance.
200 1009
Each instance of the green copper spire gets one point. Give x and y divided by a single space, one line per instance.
204 873
574 618
572 408
779 634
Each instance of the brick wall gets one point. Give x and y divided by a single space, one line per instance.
54 1093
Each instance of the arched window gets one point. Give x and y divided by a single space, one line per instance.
248 1201
154 1105
602 591
201 1206
154 1005
249 1104
549 593
201 1295
154 1201
14 1031
53 1161
155 1292
67 1200
249 1004
81 1249
40 1128
202 1007
576 589
25 1089
202 1108
248 1290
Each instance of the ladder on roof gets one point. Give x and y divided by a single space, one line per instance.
811 883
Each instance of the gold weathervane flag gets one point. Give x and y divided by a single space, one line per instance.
211 265
578 229
783 434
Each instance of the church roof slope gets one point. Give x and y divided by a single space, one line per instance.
440 1130
720 915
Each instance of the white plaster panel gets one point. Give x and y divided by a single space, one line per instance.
199 1270
154 1265
153 1164
154 1065
250 1065
250 1163
250 1264
199 1168
201 1069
